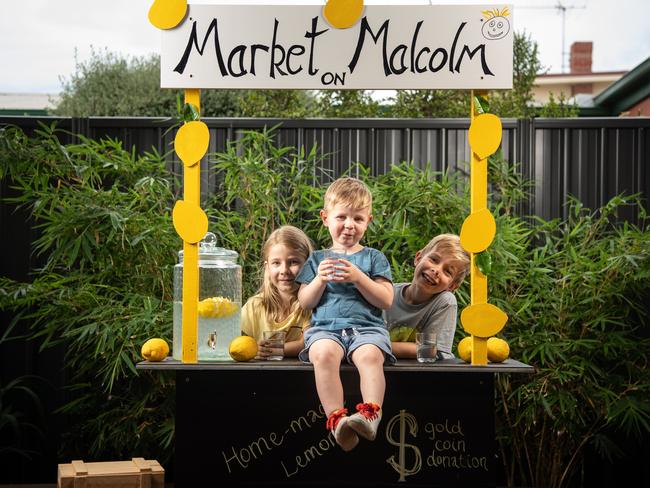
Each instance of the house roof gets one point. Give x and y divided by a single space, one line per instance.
580 77
27 103
607 74
573 78
627 91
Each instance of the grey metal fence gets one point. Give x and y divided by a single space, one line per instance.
593 159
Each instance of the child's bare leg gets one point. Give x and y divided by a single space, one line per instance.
326 356
369 360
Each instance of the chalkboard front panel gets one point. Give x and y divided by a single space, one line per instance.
266 428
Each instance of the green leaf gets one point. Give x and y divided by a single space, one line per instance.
483 262
481 105
190 112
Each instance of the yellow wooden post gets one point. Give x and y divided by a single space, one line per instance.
478 201
192 194
190 221
480 318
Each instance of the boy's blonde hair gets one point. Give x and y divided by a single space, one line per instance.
449 245
294 239
349 192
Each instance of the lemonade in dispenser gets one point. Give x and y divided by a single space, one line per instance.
219 308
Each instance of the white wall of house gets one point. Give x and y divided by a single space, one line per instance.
28 101
556 84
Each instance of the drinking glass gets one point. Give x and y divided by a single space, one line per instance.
335 254
274 340
427 347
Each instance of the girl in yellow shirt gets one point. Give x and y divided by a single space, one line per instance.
276 307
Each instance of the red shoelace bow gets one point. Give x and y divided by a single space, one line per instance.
334 417
368 410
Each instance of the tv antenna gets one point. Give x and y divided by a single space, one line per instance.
561 9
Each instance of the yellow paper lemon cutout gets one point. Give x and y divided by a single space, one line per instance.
485 135
483 319
191 142
167 14
342 14
190 221
478 231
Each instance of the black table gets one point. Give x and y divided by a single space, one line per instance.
260 424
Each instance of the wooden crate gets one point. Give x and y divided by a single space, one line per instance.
137 473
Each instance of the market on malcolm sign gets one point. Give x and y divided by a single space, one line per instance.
293 47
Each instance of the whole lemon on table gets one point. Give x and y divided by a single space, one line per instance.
498 350
243 348
465 349
155 350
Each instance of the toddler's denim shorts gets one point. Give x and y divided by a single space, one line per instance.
350 339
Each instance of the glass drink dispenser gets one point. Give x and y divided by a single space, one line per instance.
219 308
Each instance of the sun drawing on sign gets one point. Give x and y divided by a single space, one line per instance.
496 25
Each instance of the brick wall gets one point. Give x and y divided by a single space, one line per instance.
581 57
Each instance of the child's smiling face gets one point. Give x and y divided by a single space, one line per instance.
346 225
283 265
435 272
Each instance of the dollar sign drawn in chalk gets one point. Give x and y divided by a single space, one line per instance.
403 419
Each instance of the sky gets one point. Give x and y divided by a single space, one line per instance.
40 40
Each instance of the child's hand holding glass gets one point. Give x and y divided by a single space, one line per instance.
271 347
330 268
346 272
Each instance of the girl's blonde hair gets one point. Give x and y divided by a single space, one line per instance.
294 239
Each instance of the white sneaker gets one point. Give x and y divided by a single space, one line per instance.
366 421
344 435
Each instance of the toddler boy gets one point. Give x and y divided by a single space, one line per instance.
347 293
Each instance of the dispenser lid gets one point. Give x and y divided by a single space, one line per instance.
209 251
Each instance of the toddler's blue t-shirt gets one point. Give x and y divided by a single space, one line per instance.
342 306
